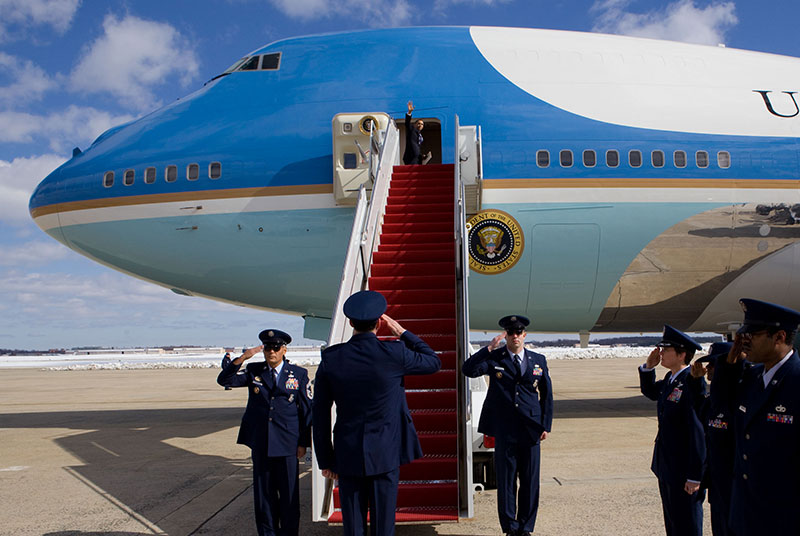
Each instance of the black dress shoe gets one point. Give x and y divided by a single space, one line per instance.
521 533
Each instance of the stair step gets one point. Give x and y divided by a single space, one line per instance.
411 255
448 358
420 199
416 268
417 238
448 247
420 208
415 296
421 227
420 188
441 399
410 281
433 443
411 515
416 495
402 312
425 217
438 420
444 379
445 326
428 167
438 468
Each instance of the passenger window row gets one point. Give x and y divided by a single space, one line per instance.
635 158
170 174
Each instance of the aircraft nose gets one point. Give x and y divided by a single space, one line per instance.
44 203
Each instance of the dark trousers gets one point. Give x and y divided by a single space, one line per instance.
376 494
276 494
719 497
683 513
517 460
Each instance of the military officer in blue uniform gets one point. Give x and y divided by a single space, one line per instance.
716 416
680 451
765 498
518 413
277 427
374 432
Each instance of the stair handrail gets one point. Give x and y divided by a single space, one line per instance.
367 223
465 498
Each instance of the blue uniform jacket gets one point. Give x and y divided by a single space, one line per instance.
766 480
680 450
516 407
374 433
277 419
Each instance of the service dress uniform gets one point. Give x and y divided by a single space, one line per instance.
374 433
765 496
517 409
276 422
716 416
680 450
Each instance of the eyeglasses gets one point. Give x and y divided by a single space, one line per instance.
515 331
753 334
275 346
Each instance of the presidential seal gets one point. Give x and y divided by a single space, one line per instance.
495 241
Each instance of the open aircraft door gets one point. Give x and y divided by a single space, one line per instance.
356 138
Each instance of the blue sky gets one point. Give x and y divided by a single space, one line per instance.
70 69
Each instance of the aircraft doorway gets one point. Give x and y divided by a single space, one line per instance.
431 138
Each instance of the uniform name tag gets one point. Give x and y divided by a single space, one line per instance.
675 395
783 419
291 383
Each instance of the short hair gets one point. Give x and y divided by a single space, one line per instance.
689 353
364 326
789 334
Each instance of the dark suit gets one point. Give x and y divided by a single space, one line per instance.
413 143
517 409
680 451
276 422
374 433
766 476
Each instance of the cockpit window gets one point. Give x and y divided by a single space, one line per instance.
250 65
271 62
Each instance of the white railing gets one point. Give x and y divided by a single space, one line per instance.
367 224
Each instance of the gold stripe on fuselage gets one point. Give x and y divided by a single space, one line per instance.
233 193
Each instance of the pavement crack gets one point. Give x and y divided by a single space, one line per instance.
557 480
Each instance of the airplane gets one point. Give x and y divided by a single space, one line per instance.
651 182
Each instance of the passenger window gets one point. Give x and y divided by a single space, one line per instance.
271 62
128 178
679 158
566 158
108 179
214 170
724 159
657 157
543 158
192 172
589 158
701 157
612 158
635 158
251 64
171 173
150 175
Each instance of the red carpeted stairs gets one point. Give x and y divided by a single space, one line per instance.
414 268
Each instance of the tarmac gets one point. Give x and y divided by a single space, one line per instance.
139 452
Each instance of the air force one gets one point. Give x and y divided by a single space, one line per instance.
626 182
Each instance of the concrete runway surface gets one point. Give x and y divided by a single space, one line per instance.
136 452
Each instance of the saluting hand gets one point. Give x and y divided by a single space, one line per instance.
247 354
698 370
654 358
495 342
394 327
737 350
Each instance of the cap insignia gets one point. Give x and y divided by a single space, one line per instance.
271 333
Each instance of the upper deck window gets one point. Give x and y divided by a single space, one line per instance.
214 170
657 157
193 172
108 179
612 158
589 158
679 157
543 158
128 178
701 158
171 173
635 158
724 159
271 62
566 158
150 175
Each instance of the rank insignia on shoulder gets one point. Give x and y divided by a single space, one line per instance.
291 383
782 419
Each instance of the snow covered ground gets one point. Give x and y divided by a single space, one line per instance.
300 356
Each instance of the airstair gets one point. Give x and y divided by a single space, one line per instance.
408 244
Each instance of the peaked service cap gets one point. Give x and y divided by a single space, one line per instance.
365 306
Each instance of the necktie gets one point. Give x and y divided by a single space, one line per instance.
274 377
518 361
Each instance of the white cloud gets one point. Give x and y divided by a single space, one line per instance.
33 253
18 178
57 14
62 130
29 80
132 56
375 13
678 21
